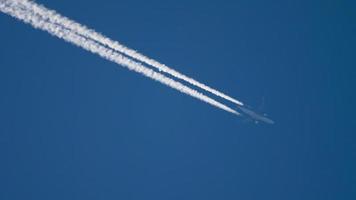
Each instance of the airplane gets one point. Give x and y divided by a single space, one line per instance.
254 116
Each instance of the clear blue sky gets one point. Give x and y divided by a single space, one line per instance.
75 126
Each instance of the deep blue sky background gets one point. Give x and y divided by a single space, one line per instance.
75 126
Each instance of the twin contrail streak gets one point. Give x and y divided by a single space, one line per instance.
54 17
27 15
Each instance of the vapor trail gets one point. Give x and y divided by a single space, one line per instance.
54 17
12 8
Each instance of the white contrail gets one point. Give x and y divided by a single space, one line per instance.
54 17
12 8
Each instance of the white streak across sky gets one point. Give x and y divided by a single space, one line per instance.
80 29
16 9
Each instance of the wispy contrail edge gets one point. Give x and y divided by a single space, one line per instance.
11 8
